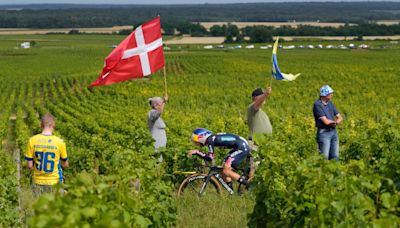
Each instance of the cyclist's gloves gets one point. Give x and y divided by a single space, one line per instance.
207 157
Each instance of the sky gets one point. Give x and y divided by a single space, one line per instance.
159 1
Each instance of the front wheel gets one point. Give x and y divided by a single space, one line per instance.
192 185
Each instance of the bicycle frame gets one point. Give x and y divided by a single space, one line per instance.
215 172
198 180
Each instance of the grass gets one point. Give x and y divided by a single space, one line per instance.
214 211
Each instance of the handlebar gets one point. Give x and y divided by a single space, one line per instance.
206 161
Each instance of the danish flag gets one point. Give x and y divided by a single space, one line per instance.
139 55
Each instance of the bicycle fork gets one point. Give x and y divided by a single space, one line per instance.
204 185
206 181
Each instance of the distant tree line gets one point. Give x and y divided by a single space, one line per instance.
81 16
261 34
182 19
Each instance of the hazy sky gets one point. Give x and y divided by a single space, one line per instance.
158 1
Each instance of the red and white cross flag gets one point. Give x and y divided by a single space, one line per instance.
139 55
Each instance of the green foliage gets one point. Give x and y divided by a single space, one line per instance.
297 189
8 192
228 39
217 30
73 32
111 150
131 195
194 29
239 38
260 35
224 30
125 32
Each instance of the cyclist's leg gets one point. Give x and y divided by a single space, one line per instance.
236 158
233 160
228 172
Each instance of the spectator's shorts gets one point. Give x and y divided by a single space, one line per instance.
39 189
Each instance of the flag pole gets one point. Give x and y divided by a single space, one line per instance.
270 83
165 80
272 59
272 74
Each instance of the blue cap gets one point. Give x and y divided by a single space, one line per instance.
325 91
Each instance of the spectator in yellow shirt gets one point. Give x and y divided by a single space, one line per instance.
46 155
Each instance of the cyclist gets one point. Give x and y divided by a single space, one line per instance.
239 151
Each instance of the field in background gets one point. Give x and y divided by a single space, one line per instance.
195 40
294 24
388 22
220 40
21 31
179 40
110 147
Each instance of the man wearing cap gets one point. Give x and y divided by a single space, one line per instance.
257 119
326 119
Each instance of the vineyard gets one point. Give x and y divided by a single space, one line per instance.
114 178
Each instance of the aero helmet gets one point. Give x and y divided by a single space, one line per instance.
200 135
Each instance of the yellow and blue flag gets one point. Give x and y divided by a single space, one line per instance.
276 73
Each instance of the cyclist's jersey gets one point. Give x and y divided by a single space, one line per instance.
226 140
46 151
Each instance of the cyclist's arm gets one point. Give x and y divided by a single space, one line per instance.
207 157
210 153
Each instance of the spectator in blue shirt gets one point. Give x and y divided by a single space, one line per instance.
327 118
